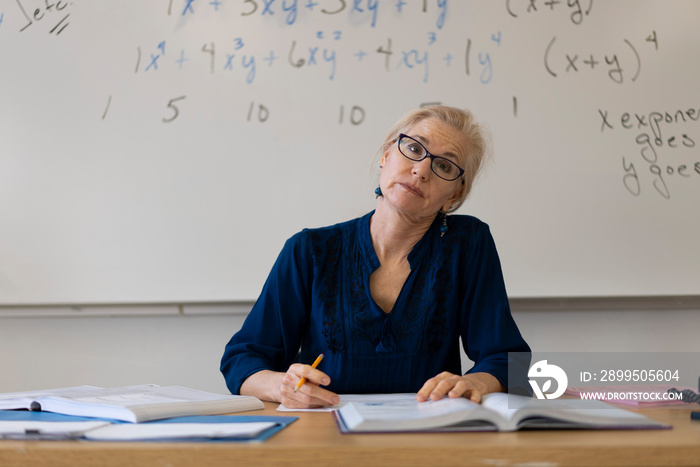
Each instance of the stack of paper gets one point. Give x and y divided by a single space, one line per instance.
171 413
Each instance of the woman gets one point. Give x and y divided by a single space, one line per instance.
386 297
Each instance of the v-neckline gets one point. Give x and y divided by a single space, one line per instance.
415 258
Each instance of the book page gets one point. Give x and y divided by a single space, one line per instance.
124 396
403 409
559 412
129 396
23 400
146 402
512 406
447 414
504 405
45 392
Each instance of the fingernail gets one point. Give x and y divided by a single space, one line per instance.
335 400
325 381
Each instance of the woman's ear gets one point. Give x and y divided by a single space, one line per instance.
455 197
385 155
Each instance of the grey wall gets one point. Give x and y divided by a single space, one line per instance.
42 351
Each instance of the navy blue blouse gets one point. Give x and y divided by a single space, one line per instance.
317 300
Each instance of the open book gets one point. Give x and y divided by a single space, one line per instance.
129 403
497 412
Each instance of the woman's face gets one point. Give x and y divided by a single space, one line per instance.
412 187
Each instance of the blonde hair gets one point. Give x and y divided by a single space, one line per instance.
474 143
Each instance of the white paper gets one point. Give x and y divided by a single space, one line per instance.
163 431
29 429
345 398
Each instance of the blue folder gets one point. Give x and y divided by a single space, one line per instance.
281 422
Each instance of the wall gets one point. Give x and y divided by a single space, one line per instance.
38 353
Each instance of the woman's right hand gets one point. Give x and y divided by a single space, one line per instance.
310 394
279 387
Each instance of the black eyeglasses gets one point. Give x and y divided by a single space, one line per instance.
442 167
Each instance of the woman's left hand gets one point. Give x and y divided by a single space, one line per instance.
472 386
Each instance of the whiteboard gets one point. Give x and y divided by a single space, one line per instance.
162 151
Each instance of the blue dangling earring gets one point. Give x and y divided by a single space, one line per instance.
443 227
378 190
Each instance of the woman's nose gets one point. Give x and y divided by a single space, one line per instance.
422 168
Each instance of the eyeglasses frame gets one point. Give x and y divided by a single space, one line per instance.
428 154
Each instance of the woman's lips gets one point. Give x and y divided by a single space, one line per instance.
412 189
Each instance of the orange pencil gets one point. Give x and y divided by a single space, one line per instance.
314 365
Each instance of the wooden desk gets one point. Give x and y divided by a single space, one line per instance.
314 440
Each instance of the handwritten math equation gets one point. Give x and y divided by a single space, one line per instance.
290 9
557 61
323 53
318 54
333 51
660 162
53 14
577 9
329 50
